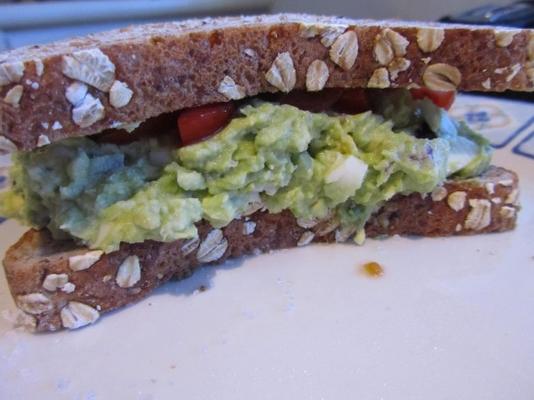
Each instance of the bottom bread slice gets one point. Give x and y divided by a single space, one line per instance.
63 285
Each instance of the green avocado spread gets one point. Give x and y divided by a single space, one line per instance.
271 156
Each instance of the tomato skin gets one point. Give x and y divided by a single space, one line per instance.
352 101
196 124
441 99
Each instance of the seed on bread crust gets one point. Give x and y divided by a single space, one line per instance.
389 50
68 287
507 212
429 39
383 51
306 238
39 66
189 246
330 33
76 92
120 94
282 74
487 84
34 303
456 200
438 193
325 227
127 126
14 95
503 38
56 126
480 215
249 227
379 79
344 50
512 197
33 85
7 146
88 112
230 89
212 247
514 69
76 315
53 282
442 77
42 140
11 72
309 31
398 65
250 52
129 272
398 42
506 182
426 60
388 45
91 66
316 75
307 223
84 261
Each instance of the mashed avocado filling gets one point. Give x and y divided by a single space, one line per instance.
273 156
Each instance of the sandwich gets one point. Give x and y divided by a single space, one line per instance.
143 153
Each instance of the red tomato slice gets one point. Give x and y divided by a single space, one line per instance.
198 123
312 101
441 99
353 101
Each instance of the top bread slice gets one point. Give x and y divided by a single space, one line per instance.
140 72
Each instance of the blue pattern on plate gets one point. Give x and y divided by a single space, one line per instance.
522 128
526 146
477 117
513 135
483 118
496 122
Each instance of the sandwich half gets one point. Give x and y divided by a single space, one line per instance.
142 153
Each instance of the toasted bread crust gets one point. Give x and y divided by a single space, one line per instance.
36 255
172 66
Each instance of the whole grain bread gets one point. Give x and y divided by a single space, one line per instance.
143 71
59 291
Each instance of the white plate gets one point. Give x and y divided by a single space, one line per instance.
451 318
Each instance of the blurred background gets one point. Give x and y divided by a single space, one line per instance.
33 22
